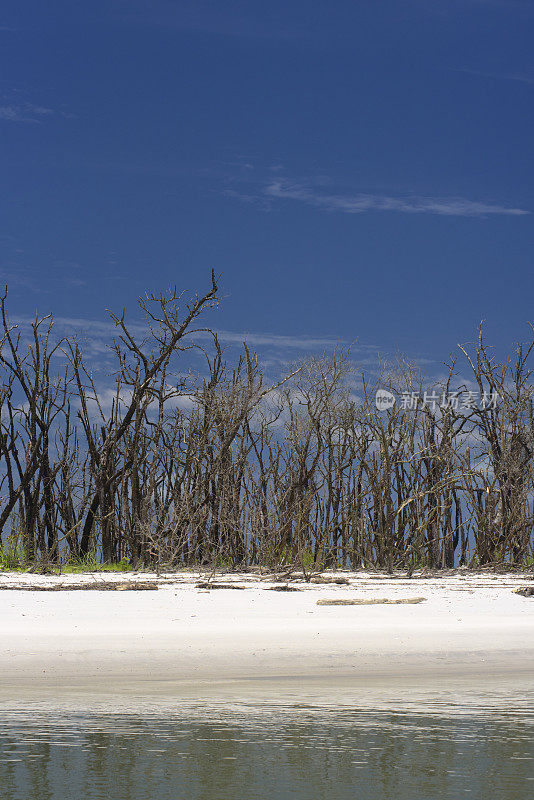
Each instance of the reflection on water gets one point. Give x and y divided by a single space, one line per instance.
242 753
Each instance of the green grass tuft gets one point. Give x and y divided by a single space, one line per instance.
13 553
75 566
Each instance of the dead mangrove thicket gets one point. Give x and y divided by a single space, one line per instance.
227 468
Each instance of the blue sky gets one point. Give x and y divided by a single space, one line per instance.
355 170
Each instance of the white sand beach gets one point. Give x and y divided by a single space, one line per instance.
469 626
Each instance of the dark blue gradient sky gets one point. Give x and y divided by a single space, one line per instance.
355 170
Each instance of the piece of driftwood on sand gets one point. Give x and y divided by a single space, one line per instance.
372 601
99 586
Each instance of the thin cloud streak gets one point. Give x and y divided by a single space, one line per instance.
498 76
360 202
24 113
101 329
278 353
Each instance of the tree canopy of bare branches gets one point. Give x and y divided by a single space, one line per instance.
228 468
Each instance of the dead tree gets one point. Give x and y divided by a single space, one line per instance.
139 370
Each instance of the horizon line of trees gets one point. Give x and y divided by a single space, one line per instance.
226 468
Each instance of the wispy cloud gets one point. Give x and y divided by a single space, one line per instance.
518 77
26 112
275 340
278 354
18 270
507 5
210 17
106 329
21 276
361 202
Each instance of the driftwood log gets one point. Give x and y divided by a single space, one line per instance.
100 586
207 585
372 601
525 591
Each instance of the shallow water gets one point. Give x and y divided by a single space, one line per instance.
246 751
